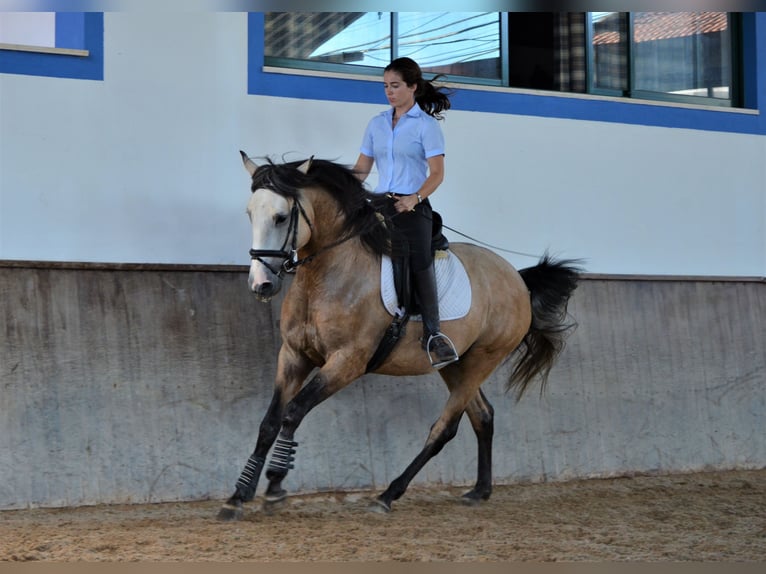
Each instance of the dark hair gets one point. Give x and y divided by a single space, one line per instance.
434 100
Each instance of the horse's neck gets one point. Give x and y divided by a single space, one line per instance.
340 264
323 215
333 259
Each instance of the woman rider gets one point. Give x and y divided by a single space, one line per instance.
406 144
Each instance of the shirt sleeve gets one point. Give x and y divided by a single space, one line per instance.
367 146
433 138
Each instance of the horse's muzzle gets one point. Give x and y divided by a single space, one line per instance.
264 292
263 282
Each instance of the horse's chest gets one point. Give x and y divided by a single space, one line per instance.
321 328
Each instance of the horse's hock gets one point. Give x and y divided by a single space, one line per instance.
136 385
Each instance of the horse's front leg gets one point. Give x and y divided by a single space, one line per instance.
340 370
248 480
292 370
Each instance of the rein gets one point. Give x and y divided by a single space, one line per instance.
291 262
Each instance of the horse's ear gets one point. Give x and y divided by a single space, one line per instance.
250 165
305 166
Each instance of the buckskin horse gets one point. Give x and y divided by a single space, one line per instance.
316 220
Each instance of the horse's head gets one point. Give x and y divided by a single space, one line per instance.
280 227
313 206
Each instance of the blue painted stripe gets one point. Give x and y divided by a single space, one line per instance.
559 106
70 30
85 28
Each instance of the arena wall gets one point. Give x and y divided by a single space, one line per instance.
140 372
147 384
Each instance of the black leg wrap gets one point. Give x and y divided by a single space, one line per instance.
248 480
282 456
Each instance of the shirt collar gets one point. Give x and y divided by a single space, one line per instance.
414 111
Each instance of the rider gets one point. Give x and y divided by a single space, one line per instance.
407 145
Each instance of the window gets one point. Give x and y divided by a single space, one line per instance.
674 56
461 44
608 33
682 56
547 51
58 44
570 57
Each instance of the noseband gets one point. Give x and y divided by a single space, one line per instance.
290 259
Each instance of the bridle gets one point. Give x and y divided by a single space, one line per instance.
290 261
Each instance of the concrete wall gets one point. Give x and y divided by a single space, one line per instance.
149 385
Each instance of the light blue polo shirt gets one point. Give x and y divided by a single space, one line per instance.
401 154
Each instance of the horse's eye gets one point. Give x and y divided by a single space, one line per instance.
280 219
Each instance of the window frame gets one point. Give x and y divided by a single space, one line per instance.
349 87
85 62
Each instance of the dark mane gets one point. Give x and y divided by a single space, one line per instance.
356 205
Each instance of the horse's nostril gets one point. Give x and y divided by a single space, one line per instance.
264 289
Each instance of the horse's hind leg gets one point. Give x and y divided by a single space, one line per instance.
463 380
442 431
481 414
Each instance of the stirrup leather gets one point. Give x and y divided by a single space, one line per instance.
441 361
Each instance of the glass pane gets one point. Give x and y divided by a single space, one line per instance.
546 51
684 53
609 64
358 38
455 43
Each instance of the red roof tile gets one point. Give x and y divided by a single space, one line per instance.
651 26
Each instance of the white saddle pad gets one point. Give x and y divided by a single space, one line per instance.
452 283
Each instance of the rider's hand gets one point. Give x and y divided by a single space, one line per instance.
406 203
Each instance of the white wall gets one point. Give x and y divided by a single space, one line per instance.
144 166
28 28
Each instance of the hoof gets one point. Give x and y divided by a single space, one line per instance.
230 513
379 506
275 497
473 498
273 503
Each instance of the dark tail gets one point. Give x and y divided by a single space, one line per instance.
550 285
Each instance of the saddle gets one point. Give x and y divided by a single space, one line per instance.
407 302
452 284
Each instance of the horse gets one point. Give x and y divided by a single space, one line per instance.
316 220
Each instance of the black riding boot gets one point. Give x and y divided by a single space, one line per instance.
440 349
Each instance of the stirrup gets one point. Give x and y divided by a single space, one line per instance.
443 362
